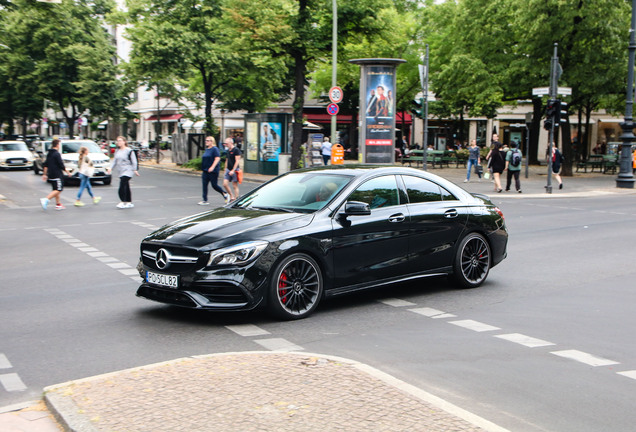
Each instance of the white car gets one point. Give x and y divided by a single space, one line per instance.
15 154
70 155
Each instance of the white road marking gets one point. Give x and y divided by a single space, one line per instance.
629 374
64 236
118 265
446 315
429 312
474 325
107 259
129 272
97 254
247 330
12 382
524 340
79 245
583 357
4 362
278 344
88 249
397 302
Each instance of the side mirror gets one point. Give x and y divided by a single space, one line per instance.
356 208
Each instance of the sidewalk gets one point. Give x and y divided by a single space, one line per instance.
250 391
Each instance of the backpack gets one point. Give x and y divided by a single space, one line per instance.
515 159
136 150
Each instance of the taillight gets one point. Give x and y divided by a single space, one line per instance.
500 213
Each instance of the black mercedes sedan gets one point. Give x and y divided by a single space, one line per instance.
321 232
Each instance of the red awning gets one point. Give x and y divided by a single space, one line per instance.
346 118
165 117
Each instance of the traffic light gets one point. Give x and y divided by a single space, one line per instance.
562 113
551 112
418 108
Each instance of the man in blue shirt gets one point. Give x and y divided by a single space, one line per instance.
210 165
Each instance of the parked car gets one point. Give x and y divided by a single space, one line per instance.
70 155
15 154
321 232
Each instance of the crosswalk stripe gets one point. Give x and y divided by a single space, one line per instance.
12 382
396 302
278 344
474 325
247 330
524 340
4 362
583 357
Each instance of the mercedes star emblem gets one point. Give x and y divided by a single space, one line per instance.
163 259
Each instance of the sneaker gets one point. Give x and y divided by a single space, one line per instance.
561 186
121 205
59 207
79 204
129 205
44 202
96 200
204 203
466 181
226 196
519 191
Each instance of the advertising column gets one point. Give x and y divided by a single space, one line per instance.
377 110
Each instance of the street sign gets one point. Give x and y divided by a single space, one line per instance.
565 91
540 91
335 94
332 109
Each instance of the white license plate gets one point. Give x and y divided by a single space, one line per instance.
171 281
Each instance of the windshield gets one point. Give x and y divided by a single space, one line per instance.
13 147
74 146
299 192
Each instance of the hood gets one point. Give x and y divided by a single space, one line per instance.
229 226
17 154
95 157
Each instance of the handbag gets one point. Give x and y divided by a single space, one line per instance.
239 176
487 175
479 169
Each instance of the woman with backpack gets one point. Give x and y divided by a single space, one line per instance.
513 165
125 161
557 159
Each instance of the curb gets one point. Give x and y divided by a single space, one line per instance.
72 418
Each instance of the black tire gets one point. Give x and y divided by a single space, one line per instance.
107 182
295 288
472 261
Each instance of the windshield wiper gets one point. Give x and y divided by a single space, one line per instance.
279 209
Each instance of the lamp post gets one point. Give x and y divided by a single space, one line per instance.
625 177
334 65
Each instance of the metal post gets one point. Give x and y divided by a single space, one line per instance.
425 143
527 149
334 66
625 177
554 84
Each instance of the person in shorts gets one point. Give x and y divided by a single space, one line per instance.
231 169
53 173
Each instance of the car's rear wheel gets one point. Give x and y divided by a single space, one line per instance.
106 182
472 261
296 287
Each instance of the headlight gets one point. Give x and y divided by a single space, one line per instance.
70 162
237 255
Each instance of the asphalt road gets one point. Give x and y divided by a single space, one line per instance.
545 345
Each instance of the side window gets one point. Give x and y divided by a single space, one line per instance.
447 196
421 190
377 192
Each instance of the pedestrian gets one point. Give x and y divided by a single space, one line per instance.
232 168
53 173
86 171
557 159
513 166
125 161
325 150
497 163
210 166
474 160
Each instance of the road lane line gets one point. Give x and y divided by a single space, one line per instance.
247 330
118 265
278 344
397 302
474 325
524 340
12 382
78 245
4 362
583 357
429 312
129 272
629 374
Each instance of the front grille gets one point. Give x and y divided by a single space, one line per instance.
182 260
164 296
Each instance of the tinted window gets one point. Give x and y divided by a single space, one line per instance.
447 196
421 190
377 192
74 146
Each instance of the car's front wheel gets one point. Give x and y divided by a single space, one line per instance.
296 287
472 261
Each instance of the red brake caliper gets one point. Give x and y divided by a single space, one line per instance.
282 292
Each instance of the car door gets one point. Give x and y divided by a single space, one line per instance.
374 247
437 220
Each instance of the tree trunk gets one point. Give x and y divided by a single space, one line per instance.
566 146
535 129
209 121
300 67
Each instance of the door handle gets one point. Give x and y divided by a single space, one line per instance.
399 217
452 213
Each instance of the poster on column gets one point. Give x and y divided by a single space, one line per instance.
379 113
270 141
